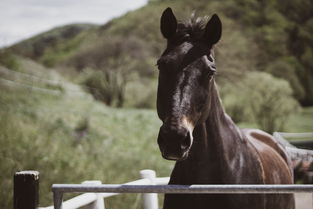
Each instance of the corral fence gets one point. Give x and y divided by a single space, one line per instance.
299 140
26 190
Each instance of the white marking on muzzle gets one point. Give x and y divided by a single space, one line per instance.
189 126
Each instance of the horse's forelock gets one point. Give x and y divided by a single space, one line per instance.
194 27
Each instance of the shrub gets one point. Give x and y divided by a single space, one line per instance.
263 99
285 70
8 60
107 86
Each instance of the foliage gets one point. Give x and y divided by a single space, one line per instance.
53 46
107 86
114 69
257 35
39 132
7 59
262 99
145 92
282 31
285 70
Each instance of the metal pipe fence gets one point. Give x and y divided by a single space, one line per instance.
60 189
186 189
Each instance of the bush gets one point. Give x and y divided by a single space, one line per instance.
262 99
125 61
141 93
107 86
8 60
285 70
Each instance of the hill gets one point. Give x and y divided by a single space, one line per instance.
59 40
271 37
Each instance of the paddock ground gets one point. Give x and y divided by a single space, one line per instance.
304 201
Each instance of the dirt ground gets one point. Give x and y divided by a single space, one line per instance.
304 201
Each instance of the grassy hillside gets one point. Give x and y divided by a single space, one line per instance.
273 37
55 45
70 137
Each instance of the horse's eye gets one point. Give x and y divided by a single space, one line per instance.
210 58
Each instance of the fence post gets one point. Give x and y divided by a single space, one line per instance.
57 200
150 200
26 190
99 203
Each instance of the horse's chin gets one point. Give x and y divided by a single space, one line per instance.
182 158
185 156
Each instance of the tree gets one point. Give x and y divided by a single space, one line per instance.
263 99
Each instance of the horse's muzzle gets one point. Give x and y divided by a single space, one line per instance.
174 142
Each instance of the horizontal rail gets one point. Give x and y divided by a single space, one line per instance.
84 199
187 189
296 135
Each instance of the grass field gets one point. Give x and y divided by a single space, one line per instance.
70 138
302 122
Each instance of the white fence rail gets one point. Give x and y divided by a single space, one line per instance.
150 200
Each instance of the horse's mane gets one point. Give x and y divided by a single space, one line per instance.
193 27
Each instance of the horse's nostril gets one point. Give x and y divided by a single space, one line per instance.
185 144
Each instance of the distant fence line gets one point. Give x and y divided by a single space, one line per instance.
48 81
292 146
42 90
32 88
293 138
27 75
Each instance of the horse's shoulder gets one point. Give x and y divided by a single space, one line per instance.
264 138
260 138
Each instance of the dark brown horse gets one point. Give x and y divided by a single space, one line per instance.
205 143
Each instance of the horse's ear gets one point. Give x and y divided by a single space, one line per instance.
168 23
213 30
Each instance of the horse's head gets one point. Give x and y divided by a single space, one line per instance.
186 74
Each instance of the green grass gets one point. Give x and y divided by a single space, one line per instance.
302 122
37 132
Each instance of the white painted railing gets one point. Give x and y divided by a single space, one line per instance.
150 200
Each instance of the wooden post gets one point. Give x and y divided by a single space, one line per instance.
150 200
57 200
26 190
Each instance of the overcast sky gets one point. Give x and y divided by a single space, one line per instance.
21 19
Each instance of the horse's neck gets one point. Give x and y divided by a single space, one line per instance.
216 143
222 133
223 136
